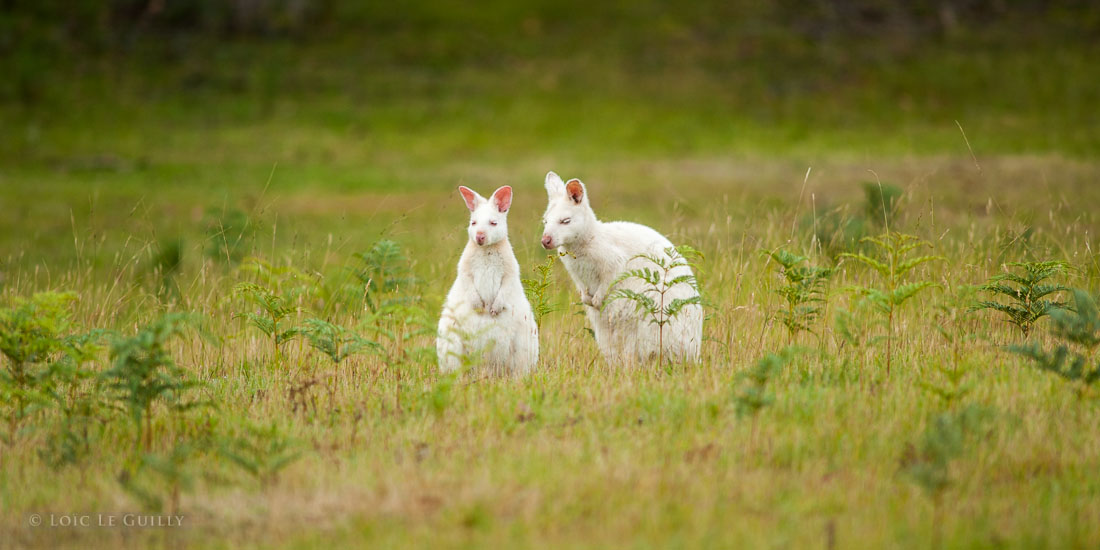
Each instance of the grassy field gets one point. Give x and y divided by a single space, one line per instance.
149 187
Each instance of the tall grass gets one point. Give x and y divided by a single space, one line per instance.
386 451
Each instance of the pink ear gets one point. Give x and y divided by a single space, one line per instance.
503 198
469 196
575 190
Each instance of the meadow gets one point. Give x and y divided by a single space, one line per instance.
220 276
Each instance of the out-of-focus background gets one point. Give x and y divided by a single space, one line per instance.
129 117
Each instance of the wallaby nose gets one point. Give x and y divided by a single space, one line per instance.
480 237
547 241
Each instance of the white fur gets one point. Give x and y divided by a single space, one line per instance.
595 253
486 317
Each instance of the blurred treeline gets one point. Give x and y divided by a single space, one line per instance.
40 38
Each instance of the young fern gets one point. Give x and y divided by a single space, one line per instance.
262 452
752 395
397 328
144 374
803 292
927 463
538 290
272 316
951 314
658 282
1074 359
334 341
384 272
894 263
43 356
953 388
1028 293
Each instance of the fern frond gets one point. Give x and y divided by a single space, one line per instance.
907 291
878 266
906 266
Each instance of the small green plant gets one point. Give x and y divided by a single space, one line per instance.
653 300
43 355
952 389
398 327
70 442
752 395
80 404
803 292
143 374
951 314
262 452
273 316
1027 292
894 262
335 341
286 280
927 463
538 289
440 394
275 293
395 316
384 273
1075 357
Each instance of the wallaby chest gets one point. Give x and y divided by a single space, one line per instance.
593 271
487 269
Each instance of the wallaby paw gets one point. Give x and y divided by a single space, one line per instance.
590 300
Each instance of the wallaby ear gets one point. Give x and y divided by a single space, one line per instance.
471 197
554 186
575 190
502 198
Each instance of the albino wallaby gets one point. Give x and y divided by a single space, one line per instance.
487 320
595 254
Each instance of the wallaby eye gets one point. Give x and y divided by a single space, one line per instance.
492 222
565 221
473 223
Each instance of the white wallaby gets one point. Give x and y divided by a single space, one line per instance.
487 321
595 254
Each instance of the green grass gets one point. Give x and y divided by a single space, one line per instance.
329 144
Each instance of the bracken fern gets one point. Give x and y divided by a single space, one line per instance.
803 292
659 282
145 374
893 264
1027 293
537 289
1079 330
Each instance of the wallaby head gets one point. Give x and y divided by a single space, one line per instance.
488 217
568 215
